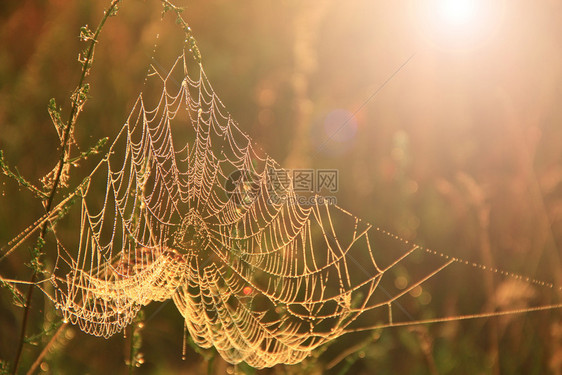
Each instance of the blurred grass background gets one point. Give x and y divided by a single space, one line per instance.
460 151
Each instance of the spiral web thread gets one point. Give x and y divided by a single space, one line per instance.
193 212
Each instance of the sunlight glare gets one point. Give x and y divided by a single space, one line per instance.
457 12
457 23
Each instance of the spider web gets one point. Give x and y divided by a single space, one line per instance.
193 211
215 226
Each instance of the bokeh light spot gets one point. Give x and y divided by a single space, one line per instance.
340 125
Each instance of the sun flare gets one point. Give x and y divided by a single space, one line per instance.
457 23
457 13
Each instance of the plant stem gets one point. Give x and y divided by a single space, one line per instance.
45 349
132 350
76 105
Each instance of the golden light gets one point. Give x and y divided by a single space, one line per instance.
457 23
457 13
